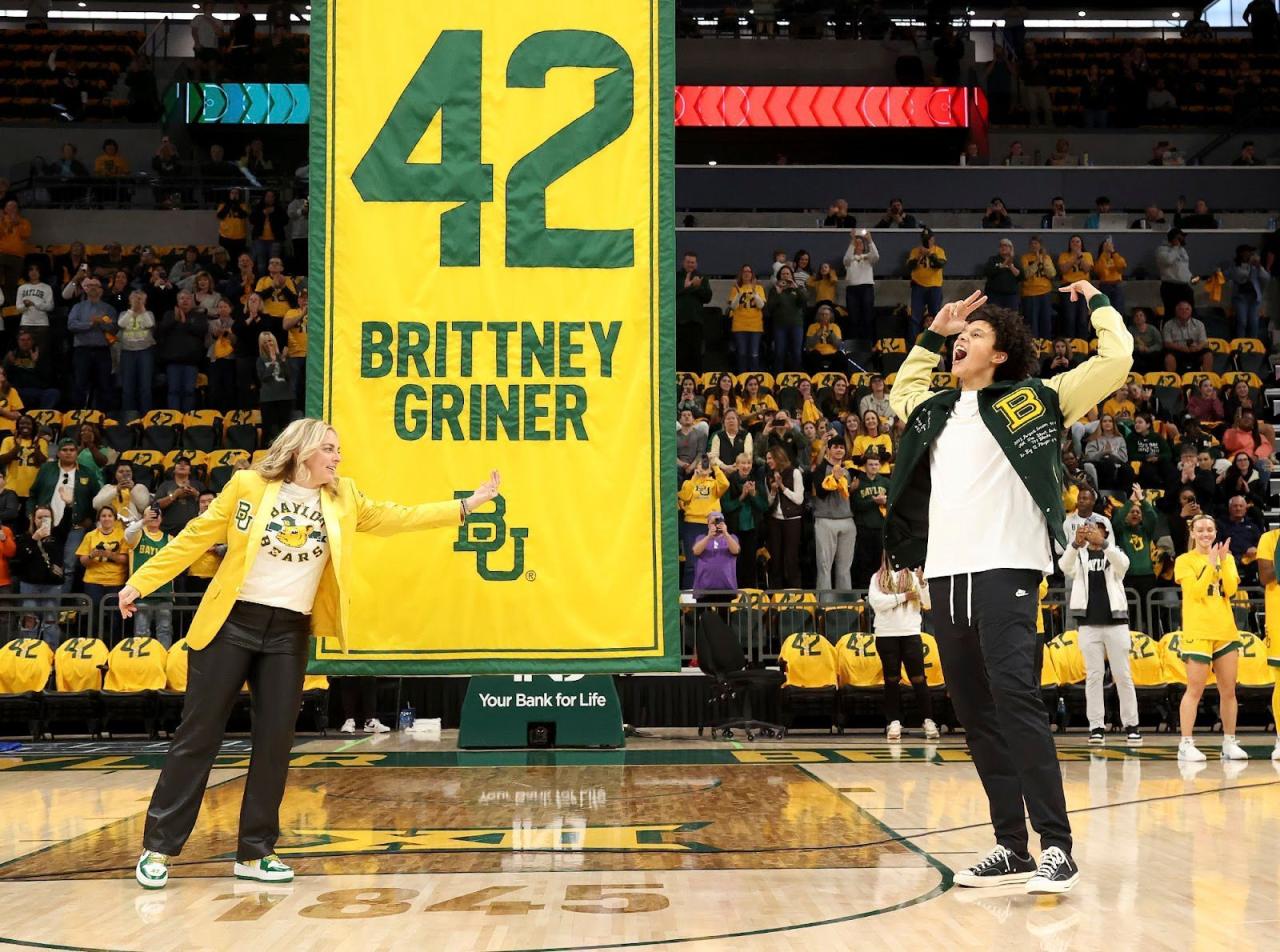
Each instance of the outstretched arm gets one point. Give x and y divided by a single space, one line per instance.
1082 388
388 518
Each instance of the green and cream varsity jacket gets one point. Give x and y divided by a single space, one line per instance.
1025 417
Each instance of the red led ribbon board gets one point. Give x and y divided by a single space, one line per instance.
831 107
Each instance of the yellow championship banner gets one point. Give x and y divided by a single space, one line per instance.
491 268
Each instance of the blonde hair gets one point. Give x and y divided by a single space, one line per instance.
264 340
1191 525
287 457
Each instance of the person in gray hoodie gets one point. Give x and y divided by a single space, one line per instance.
833 528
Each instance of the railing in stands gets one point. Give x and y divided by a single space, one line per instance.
156 42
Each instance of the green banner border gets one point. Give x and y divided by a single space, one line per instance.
662 361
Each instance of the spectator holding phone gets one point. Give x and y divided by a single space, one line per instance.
178 497
37 566
925 263
1109 267
699 496
104 553
1038 273
716 554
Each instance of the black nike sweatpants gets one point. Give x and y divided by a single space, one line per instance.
990 653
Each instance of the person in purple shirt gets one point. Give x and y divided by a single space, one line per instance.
89 323
716 570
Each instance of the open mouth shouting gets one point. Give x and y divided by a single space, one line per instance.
958 353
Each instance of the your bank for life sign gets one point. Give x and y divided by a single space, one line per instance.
491 246
555 710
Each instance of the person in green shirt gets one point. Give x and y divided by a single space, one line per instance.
744 506
693 293
145 538
1134 525
868 516
1150 451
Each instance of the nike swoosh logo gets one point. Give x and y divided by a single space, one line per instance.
1020 592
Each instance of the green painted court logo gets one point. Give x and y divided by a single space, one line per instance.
485 534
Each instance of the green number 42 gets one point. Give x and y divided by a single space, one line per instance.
447 83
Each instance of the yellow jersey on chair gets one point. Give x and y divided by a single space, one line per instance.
858 662
78 664
810 661
238 518
136 664
25 664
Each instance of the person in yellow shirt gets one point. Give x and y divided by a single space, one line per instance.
104 553
873 435
822 343
1038 273
1119 405
22 455
10 404
699 496
746 313
1109 267
233 223
753 405
205 567
295 325
1074 264
1208 577
110 164
925 261
1271 596
277 290
822 286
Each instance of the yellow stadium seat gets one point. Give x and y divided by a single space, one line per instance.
315 682
136 664
1229 379
1136 378
162 418
244 416
25 665
890 345
175 666
1044 346
46 417
225 458
1145 662
889 379
202 418
1068 659
78 664
74 418
858 663
1163 378
147 458
942 381
258 456
1217 345
171 458
791 378
809 661
1254 671
1175 669
766 379
1193 378
1079 346
932 664
859 379
1248 345
709 379
826 378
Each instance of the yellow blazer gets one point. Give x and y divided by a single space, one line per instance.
238 519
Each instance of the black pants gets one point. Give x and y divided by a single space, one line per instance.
748 544
276 415
986 631
1171 292
784 552
267 646
897 652
689 348
868 551
359 698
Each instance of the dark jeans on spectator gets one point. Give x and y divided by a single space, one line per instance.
1012 302
1075 318
868 551
897 652
1114 290
986 631
359 699
860 302
746 561
137 373
923 300
247 380
689 532
182 386
298 256
222 384
91 378
298 370
1038 311
11 272
110 629
235 247
689 347
786 348
34 399
276 415
1171 292
746 348
262 252
784 552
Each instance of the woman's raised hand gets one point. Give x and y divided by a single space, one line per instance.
953 315
486 491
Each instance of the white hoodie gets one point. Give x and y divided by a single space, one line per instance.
859 269
1075 565
41 298
895 615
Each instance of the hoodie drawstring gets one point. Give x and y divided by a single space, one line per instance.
968 598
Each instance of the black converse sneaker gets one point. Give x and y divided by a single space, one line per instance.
1133 735
1000 867
1097 737
1057 873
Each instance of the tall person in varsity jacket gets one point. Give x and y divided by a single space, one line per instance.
976 498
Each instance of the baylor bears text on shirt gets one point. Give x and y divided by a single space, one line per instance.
293 552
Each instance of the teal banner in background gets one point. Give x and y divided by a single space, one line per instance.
248 104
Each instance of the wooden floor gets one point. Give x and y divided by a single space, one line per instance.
809 843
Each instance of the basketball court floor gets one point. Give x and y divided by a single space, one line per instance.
807 843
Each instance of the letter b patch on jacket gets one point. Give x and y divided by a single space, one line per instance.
1020 407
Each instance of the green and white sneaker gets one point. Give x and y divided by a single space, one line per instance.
152 871
269 869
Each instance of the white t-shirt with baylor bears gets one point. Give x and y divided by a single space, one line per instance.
293 553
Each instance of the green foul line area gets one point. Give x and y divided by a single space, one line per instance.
44 760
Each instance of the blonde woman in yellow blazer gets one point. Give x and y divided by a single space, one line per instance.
288 525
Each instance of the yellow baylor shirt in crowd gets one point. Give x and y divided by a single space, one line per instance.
136 664
25 664
105 573
78 664
1145 661
858 663
1068 659
810 661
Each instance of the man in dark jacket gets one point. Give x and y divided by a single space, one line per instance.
181 350
693 293
976 498
68 489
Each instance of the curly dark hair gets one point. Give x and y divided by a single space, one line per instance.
1013 337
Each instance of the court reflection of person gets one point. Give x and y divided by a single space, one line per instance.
288 525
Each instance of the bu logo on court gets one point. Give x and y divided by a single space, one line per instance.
485 534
